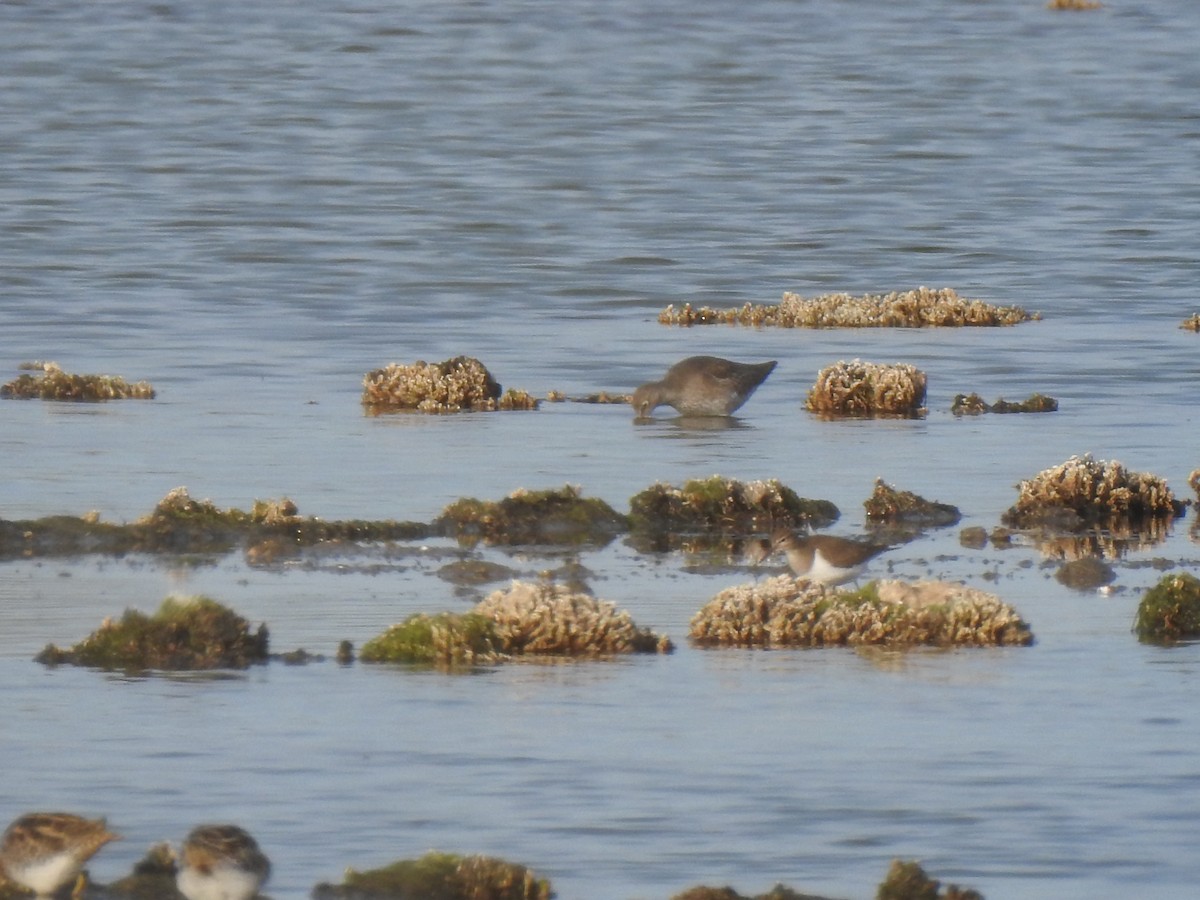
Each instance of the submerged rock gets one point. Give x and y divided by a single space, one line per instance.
440 876
55 384
555 516
974 405
922 307
789 612
525 620
454 385
1170 611
190 634
1085 574
1083 491
860 388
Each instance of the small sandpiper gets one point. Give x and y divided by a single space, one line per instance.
46 851
702 386
221 862
825 558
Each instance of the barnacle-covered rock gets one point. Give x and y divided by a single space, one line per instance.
54 384
1084 491
525 620
724 506
860 388
555 516
787 612
1170 611
974 405
548 619
899 309
440 876
461 383
889 505
190 633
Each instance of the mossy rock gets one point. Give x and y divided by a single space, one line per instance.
193 634
445 639
1170 611
440 876
55 384
560 516
908 881
725 506
886 504
790 612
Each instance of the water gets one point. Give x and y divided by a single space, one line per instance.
251 205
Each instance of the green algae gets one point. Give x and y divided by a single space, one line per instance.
192 634
440 876
558 516
446 639
1170 611
54 384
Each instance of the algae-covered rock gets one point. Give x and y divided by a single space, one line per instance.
974 405
860 388
555 516
440 876
446 639
152 878
454 385
1074 5
184 634
1191 323
727 506
1194 482
908 881
1170 611
525 620
1083 491
886 504
922 307
779 892
54 384
787 612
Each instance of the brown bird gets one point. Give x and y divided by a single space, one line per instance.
46 851
702 386
824 557
221 862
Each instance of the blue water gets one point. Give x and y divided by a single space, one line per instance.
253 204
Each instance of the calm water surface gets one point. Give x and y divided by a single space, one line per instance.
252 204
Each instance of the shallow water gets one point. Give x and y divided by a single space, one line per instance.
251 205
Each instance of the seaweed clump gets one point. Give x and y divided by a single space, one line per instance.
455 385
786 612
55 384
1170 611
722 506
1084 491
860 388
525 620
922 307
908 881
974 405
197 633
886 504
440 876
556 516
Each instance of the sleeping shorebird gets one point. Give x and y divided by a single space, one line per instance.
702 386
221 862
824 557
46 851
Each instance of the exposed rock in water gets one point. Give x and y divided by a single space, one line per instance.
860 388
